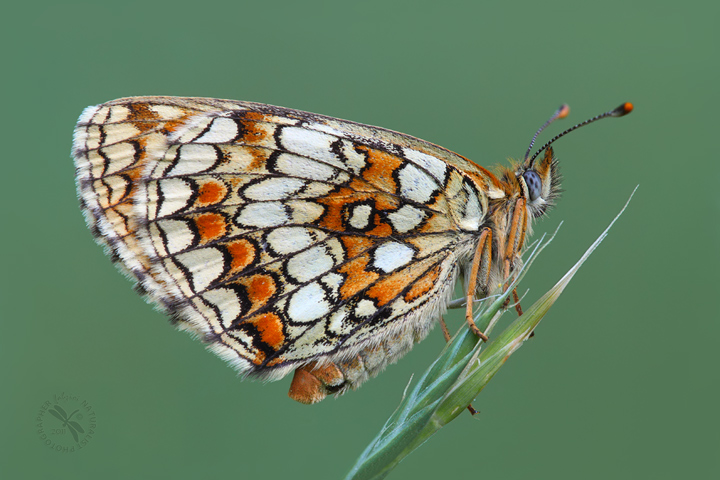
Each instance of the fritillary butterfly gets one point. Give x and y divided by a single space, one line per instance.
290 241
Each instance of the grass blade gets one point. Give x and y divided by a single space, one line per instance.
458 375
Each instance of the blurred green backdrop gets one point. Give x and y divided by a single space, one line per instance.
621 379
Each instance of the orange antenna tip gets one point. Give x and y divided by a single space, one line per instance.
564 110
623 109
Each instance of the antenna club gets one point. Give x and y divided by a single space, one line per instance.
561 112
620 111
623 109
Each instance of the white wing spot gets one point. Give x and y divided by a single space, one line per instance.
308 304
287 240
302 167
222 130
178 235
118 113
309 264
472 214
226 302
337 323
273 189
193 159
121 156
436 167
365 308
175 195
333 281
267 214
356 161
360 216
119 132
406 218
305 211
415 184
167 112
310 143
205 265
392 255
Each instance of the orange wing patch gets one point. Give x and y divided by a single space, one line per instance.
358 278
260 289
211 192
381 169
270 328
423 285
391 286
211 226
242 254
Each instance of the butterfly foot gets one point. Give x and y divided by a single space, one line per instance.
476 330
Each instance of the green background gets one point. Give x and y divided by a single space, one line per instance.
621 380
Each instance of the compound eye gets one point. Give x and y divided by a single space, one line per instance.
532 180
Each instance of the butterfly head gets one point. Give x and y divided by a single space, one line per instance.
540 183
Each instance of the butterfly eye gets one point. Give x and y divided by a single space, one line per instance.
532 180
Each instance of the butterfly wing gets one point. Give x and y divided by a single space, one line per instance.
279 236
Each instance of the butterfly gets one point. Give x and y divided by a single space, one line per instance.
295 242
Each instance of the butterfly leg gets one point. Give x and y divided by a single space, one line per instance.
516 299
480 268
445 331
515 241
447 336
518 308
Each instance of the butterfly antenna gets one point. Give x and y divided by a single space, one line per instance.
620 111
561 112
